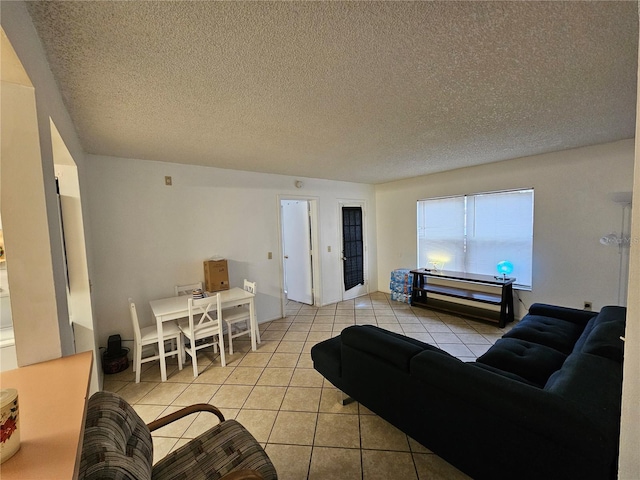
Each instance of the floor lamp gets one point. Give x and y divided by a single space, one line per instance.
622 241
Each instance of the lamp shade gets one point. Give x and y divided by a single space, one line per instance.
504 267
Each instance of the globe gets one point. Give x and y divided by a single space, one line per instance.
505 267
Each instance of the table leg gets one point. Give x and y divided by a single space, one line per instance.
163 362
506 306
511 314
254 324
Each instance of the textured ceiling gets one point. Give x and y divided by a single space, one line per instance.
357 91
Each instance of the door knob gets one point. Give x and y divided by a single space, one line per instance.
286 256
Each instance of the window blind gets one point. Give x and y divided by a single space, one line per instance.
473 233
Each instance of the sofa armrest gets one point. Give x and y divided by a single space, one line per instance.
573 315
391 347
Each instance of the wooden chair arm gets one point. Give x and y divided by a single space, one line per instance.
243 475
183 412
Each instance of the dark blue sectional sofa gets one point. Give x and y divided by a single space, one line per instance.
542 403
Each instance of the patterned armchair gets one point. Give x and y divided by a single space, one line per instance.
117 446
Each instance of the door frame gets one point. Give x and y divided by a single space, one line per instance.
365 264
315 243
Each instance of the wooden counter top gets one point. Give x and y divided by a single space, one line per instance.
52 400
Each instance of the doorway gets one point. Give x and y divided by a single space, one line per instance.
354 271
74 252
297 250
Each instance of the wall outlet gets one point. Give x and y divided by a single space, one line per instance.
588 305
167 180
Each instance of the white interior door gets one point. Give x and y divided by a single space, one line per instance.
297 250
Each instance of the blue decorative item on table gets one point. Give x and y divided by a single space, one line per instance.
505 267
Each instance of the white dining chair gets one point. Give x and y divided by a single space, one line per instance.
235 317
187 289
144 336
181 290
204 321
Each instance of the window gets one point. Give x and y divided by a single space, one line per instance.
473 233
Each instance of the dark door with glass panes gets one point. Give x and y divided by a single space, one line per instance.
353 247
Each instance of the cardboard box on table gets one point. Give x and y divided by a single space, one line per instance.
216 275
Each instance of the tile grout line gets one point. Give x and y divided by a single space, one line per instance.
377 308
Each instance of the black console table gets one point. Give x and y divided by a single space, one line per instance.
504 299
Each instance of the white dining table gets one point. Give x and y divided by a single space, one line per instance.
172 308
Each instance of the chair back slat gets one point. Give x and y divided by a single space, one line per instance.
202 309
202 324
134 321
187 289
250 286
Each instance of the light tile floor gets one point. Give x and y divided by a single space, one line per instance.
290 408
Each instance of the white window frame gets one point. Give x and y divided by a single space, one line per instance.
465 224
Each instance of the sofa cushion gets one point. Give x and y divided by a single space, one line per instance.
607 314
509 375
585 334
528 360
568 314
612 313
594 385
551 332
605 341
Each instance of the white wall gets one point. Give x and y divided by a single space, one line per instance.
147 236
27 237
49 107
573 210
629 467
